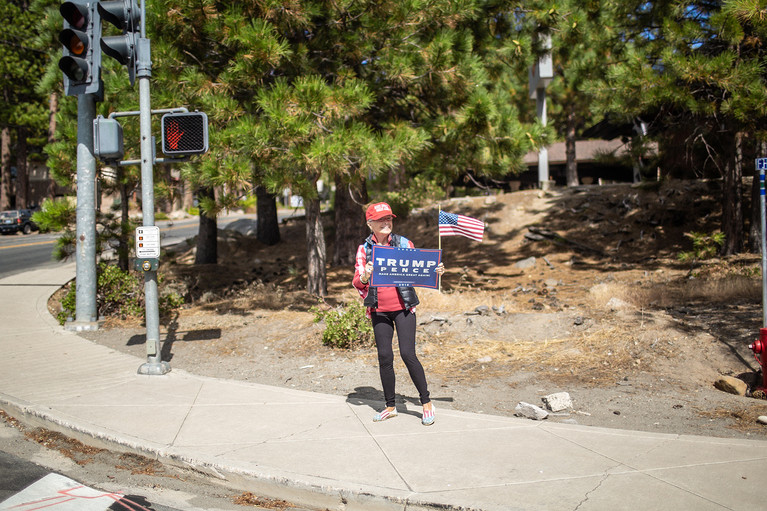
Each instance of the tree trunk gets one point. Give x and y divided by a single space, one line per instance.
317 283
6 189
187 194
732 199
267 221
53 108
22 176
207 237
349 221
123 246
755 229
571 168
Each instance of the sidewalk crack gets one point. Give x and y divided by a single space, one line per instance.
588 494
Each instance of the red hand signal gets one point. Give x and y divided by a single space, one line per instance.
173 135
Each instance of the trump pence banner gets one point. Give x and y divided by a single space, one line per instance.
398 267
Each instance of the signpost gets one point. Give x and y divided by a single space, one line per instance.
540 76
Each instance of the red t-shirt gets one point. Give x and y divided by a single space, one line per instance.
389 300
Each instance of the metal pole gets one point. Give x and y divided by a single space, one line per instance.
543 153
86 315
761 163
154 363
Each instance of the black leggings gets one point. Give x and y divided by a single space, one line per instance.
383 328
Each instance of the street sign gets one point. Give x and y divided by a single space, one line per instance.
148 242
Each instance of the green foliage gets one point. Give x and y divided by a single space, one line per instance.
705 246
119 294
68 303
345 326
56 215
420 191
59 215
247 203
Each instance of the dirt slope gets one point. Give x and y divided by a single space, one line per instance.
605 311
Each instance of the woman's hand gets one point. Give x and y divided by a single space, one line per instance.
440 269
365 277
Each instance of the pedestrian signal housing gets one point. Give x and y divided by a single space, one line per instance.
184 133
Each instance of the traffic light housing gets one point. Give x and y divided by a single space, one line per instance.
125 15
184 133
81 60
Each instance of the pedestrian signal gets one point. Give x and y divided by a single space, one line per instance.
184 133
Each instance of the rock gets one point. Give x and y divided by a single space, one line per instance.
499 310
558 401
551 283
578 320
483 310
246 226
731 385
485 360
530 411
762 419
525 263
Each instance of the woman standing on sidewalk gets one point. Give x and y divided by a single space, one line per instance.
390 308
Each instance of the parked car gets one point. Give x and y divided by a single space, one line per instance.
17 220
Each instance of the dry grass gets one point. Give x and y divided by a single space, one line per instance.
589 357
674 292
250 499
744 419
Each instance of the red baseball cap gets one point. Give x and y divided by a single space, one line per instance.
378 210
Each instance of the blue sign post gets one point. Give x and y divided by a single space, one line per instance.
761 167
398 267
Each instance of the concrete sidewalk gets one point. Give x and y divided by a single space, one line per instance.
316 448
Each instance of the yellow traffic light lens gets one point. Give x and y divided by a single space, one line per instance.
76 46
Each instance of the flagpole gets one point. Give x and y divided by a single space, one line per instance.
439 244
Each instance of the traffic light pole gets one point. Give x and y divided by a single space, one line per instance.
154 364
86 315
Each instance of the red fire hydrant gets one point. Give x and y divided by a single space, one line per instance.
759 347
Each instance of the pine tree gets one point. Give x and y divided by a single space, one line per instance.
340 90
22 109
695 70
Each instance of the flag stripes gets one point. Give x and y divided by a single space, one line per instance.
459 225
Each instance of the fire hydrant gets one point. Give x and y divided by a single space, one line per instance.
759 347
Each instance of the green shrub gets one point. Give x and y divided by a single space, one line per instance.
119 294
346 326
705 246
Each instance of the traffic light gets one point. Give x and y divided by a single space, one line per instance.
184 133
81 62
125 15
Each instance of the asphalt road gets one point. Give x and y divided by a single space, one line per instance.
20 252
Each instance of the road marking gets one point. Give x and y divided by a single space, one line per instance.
60 493
49 242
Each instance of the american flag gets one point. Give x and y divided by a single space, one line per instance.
460 225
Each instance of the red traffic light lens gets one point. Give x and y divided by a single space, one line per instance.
74 14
